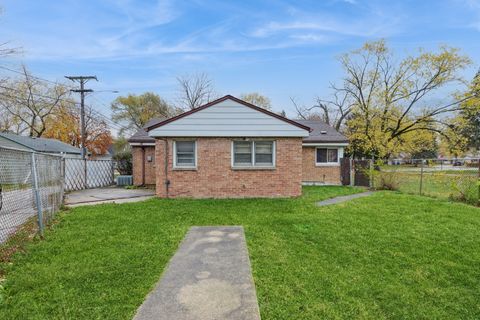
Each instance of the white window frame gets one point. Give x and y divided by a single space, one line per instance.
335 163
175 166
253 165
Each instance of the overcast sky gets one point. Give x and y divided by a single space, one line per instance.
281 49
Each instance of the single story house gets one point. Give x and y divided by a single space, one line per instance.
230 148
50 146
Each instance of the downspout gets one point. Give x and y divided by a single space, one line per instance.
143 165
167 182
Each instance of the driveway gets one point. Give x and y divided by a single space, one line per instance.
107 195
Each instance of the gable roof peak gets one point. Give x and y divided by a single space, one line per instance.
235 99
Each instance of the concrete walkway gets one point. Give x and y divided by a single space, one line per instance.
209 278
343 198
106 195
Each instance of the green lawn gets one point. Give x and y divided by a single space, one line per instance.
390 255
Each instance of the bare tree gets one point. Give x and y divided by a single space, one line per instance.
257 99
6 50
304 112
8 122
195 90
31 101
333 112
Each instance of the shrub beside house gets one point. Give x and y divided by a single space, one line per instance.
229 148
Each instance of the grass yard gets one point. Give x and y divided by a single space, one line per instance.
390 255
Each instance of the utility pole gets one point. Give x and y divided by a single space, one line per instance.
82 80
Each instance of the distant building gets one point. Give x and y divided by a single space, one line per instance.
50 146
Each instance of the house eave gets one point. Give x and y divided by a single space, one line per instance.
142 144
325 144
228 135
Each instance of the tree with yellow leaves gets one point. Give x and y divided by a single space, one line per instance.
463 130
65 126
257 99
134 111
390 103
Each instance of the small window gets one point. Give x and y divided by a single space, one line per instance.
185 154
264 153
325 155
253 153
242 153
322 155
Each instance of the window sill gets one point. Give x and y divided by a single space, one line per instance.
327 164
253 168
184 168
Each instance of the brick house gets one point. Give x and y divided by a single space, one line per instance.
230 148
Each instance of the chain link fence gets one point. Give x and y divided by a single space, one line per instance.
31 188
453 179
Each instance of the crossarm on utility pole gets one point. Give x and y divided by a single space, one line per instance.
82 80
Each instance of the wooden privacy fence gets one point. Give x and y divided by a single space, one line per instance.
355 172
361 172
345 171
84 174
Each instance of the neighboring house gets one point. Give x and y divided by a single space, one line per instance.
231 148
107 155
143 155
50 146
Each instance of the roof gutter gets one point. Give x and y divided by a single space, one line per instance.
325 144
142 144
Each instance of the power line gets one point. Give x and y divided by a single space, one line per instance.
63 84
110 122
106 106
35 77
82 80
50 81
93 111
91 108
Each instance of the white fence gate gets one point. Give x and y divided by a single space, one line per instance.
83 174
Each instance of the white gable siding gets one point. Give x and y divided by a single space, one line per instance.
228 119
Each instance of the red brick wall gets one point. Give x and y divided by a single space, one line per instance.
214 177
137 159
319 174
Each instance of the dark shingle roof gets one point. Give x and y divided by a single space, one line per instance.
331 135
142 135
41 144
316 135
